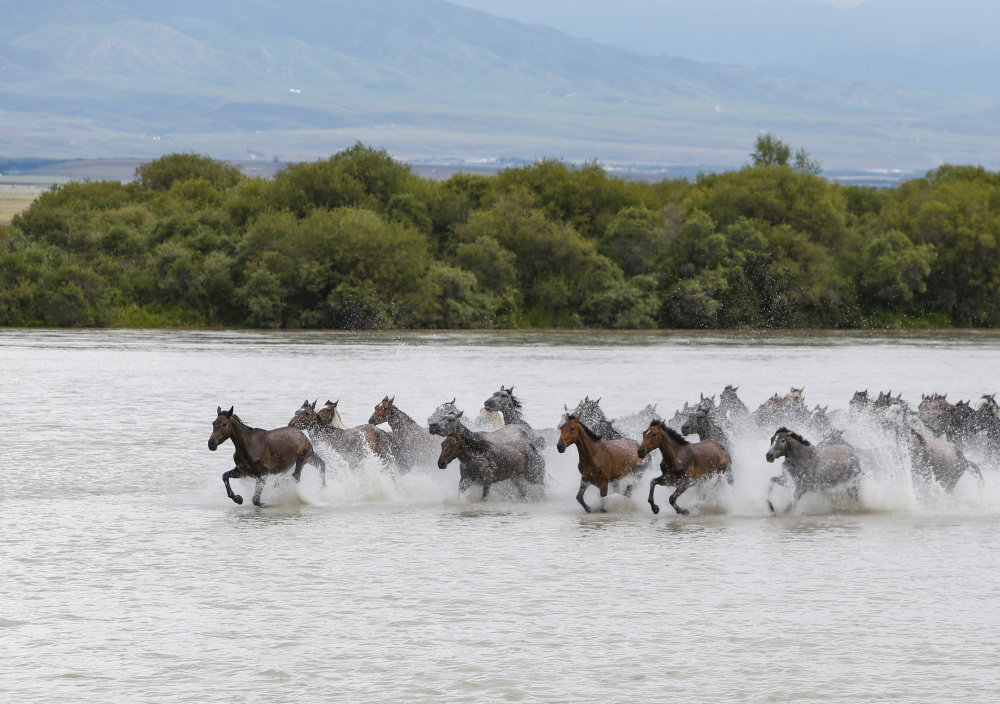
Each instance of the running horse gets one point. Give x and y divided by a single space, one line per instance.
262 452
602 462
810 467
484 462
684 464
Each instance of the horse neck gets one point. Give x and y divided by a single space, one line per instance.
798 452
241 434
589 448
472 442
670 447
511 415
400 421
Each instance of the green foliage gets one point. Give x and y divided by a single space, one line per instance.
165 172
357 241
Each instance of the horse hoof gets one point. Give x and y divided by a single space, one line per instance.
238 499
682 511
770 506
656 509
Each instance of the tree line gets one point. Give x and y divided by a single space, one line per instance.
358 241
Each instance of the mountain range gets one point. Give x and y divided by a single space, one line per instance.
429 80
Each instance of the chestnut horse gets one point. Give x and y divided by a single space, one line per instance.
262 452
601 461
812 467
484 462
353 444
683 464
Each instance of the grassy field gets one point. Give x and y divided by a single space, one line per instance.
11 205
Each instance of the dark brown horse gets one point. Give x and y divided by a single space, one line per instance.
262 452
353 444
684 463
602 462
415 445
484 462
810 467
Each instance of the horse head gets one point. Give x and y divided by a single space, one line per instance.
445 423
328 413
384 410
222 428
781 442
451 446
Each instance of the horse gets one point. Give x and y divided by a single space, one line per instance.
940 461
683 464
353 444
592 415
791 408
485 422
602 462
702 424
262 452
484 462
505 402
811 468
414 443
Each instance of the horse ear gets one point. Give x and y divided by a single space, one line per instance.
685 405
598 399
511 390
453 400
313 406
229 413
330 403
219 411
566 408
391 400
459 414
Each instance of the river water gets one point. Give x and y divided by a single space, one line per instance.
127 575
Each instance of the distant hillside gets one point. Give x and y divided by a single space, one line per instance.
427 79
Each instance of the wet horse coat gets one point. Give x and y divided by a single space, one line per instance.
262 452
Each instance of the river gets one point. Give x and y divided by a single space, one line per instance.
127 575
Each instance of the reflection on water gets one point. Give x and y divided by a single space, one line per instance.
126 569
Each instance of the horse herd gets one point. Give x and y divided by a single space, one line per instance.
500 445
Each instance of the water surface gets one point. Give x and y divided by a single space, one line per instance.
127 575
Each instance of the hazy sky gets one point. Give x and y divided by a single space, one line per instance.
932 44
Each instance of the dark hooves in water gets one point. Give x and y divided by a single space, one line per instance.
682 511
238 499
656 509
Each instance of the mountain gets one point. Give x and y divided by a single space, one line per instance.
427 79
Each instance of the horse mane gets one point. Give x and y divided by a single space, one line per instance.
674 435
474 440
792 434
590 433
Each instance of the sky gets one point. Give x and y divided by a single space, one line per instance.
941 45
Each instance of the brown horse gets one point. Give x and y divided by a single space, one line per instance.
601 461
353 444
484 462
684 464
262 452
810 467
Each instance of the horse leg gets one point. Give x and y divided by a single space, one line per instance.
522 489
656 481
486 490
463 484
628 490
257 492
604 497
774 480
682 486
317 461
234 473
579 495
